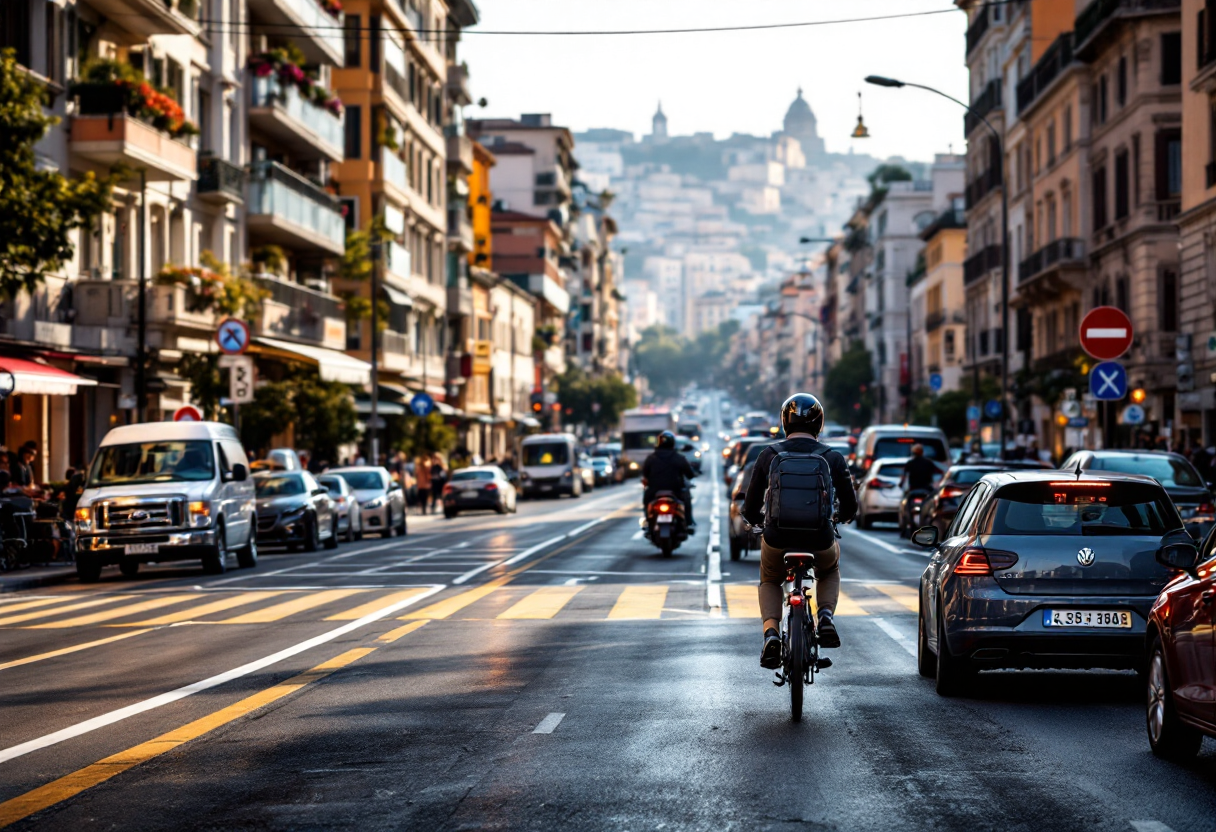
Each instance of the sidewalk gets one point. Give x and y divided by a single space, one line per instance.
36 576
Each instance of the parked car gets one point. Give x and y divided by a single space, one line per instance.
940 507
483 488
550 465
166 491
350 525
1182 482
739 454
1178 640
295 510
279 459
879 495
586 472
894 442
381 499
1044 569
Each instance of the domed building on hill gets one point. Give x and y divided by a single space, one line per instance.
801 124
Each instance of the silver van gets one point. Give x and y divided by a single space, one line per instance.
895 442
549 466
165 491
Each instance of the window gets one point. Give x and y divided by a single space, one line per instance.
1051 143
373 42
1136 170
1102 96
1121 294
1121 185
353 41
1067 128
1038 508
1169 164
202 115
1121 82
1168 300
1171 58
15 29
1099 192
354 132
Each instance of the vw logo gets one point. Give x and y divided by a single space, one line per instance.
139 515
1085 557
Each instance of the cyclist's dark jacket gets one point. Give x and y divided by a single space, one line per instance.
842 480
920 472
666 470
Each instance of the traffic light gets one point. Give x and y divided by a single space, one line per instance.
538 402
1138 395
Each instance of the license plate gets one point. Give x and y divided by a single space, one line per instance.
1101 619
546 488
141 548
665 518
469 495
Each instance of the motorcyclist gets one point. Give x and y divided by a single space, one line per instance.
668 470
919 472
802 419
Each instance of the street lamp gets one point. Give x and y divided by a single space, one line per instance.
880 81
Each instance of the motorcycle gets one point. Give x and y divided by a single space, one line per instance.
910 511
664 524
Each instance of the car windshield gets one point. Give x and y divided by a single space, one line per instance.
1167 470
546 453
970 476
902 446
278 486
363 480
1079 507
144 462
472 475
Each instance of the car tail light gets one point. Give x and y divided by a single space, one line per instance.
950 491
978 561
1205 508
491 487
877 483
867 462
447 489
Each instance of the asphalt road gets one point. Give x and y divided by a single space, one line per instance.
548 670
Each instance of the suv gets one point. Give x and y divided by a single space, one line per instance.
165 491
896 441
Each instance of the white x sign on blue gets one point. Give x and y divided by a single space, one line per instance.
1108 381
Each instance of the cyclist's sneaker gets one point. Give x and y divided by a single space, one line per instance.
770 656
828 637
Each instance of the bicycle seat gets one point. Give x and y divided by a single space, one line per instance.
800 560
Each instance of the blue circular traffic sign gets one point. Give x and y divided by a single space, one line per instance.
993 409
935 382
422 404
1108 381
232 336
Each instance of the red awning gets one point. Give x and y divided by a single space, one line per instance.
36 379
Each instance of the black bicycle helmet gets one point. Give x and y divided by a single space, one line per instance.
667 441
802 413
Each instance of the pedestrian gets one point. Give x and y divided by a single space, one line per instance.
422 474
439 478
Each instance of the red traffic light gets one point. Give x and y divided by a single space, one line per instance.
537 407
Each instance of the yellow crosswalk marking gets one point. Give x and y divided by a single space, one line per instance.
29 605
908 597
370 607
847 606
545 602
75 648
453 605
115 612
277 612
195 613
403 630
44 613
742 600
639 602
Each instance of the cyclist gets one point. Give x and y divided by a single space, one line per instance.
802 419
668 470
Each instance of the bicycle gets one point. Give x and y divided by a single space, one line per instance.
800 659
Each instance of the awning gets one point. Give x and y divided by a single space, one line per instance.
331 364
396 389
446 409
397 296
363 406
34 379
529 422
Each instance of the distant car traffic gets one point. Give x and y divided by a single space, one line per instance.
381 499
879 494
483 488
604 469
941 505
350 518
1044 569
895 442
295 510
586 472
690 451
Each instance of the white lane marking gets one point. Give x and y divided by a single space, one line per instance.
473 573
713 557
576 581
548 724
869 538
900 639
1149 826
146 705
637 535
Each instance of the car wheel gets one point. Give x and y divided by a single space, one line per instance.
1168 737
954 675
863 522
216 563
129 568
736 548
87 569
449 513
350 529
501 508
247 557
388 530
312 534
331 542
926 662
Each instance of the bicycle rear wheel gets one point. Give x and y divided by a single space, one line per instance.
795 662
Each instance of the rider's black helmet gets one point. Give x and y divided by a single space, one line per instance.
667 440
802 413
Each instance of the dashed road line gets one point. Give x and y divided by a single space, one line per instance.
548 724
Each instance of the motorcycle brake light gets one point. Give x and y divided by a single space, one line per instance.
447 489
664 508
1205 508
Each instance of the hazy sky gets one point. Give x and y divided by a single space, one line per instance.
726 82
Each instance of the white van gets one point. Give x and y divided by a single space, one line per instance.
164 491
549 465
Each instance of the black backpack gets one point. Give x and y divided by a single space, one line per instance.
799 503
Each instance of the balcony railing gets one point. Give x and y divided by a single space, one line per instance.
984 103
980 263
1054 61
297 311
279 192
220 180
458 84
1063 250
392 169
460 230
315 30
977 29
320 126
1097 13
1168 210
397 82
935 319
982 185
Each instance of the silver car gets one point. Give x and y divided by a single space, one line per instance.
346 506
381 499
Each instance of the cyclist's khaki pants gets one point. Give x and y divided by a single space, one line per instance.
772 577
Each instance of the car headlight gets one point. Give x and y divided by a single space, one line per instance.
568 474
294 514
84 519
375 502
633 466
697 454
200 513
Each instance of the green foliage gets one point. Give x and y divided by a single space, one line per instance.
949 409
884 174
422 436
322 412
670 361
579 392
206 382
848 389
38 209
267 416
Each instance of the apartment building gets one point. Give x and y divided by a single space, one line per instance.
937 305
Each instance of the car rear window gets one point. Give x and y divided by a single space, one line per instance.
889 471
971 476
1078 507
899 446
472 475
1164 469
332 484
546 453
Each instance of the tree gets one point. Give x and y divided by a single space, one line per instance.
848 387
426 435
38 208
660 356
206 382
325 416
595 401
884 174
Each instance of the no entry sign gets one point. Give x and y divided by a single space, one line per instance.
1106 333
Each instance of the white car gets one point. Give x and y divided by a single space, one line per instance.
879 494
346 506
381 499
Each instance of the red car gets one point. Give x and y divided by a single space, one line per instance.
1181 638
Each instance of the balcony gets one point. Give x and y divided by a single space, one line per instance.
397 82
119 139
1098 14
293 124
296 312
1049 67
393 171
977 29
152 17
458 84
314 30
1058 254
984 103
935 319
460 228
288 210
459 151
979 264
220 181
397 260
982 185
1168 210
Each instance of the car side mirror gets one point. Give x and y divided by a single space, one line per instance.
317 492
239 473
1184 556
925 536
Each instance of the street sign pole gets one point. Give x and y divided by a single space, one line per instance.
373 439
